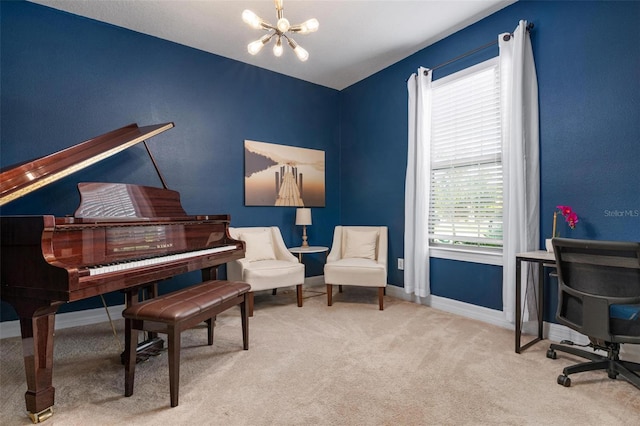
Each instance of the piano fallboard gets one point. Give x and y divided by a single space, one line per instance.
72 259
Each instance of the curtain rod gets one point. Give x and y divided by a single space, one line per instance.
506 37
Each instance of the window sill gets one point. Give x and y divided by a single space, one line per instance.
467 255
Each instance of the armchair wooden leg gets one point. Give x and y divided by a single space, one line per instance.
381 297
329 288
244 314
299 294
250 303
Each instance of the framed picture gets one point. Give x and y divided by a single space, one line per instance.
280 175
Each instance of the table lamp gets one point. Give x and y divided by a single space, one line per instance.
303 217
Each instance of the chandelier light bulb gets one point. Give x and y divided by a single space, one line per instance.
309 26
283 25
277 48
256 46
252 19
302 54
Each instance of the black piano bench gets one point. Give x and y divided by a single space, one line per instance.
175 312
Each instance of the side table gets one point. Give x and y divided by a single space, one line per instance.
311 249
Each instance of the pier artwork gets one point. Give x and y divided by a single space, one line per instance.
281 175
289 184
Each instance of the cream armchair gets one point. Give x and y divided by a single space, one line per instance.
358 257
267 264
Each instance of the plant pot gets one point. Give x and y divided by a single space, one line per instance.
548 245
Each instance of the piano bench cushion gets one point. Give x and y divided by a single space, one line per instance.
187 303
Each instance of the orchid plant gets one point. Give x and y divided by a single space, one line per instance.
569 216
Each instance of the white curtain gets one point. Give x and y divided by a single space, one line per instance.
521 170
417 186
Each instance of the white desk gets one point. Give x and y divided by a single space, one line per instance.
543 259
307 250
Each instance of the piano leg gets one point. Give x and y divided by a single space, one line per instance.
37 327
210 274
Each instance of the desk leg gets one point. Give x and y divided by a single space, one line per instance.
540 299
540 306
518 318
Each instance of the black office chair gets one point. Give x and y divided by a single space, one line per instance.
598 296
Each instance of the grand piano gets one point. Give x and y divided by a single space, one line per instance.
121 237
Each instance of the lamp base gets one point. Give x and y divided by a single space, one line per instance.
304 236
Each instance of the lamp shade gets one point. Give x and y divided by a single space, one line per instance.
303 216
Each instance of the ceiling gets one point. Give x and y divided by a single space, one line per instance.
356 39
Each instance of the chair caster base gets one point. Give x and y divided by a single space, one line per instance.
564 380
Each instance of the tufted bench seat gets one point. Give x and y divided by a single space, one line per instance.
175 312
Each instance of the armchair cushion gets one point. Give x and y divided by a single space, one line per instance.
282 269
268 274
357 272
259 246
360 244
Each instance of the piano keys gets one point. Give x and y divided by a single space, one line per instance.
134 264
120 237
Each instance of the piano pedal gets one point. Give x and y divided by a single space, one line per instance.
145 350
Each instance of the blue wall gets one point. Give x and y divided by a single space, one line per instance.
588 66
65 79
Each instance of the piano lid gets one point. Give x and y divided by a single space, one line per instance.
19 180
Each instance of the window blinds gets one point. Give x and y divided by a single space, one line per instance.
466 158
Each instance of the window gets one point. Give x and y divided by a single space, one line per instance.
466 159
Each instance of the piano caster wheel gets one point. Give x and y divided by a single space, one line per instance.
42 415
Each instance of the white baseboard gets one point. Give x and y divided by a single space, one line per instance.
314 281
98 315
468 310
552 331
67 320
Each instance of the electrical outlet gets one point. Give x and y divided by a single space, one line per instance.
401 264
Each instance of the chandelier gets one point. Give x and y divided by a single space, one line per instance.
279 31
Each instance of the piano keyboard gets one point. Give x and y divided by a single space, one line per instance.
104 269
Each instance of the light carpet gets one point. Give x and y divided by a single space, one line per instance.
349 364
